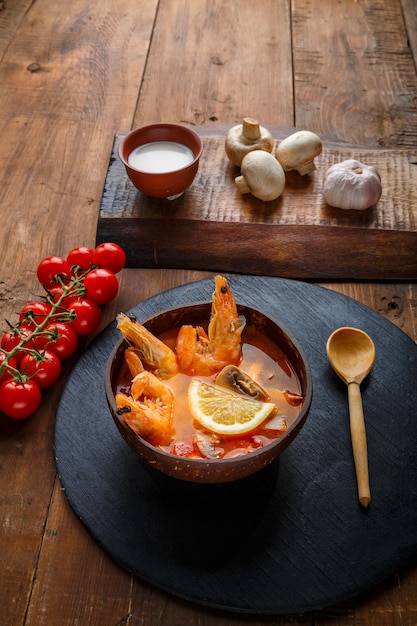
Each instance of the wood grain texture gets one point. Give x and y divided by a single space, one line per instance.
219 61
57 118
354 74
12 19
96 69
410 19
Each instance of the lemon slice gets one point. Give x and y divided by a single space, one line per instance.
223 412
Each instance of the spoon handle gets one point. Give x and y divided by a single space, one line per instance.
359 446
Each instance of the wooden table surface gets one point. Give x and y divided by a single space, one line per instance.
72 77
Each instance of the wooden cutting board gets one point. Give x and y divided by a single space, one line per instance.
213 227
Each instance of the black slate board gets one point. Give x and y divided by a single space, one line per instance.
290 539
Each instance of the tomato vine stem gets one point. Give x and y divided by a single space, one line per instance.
58 312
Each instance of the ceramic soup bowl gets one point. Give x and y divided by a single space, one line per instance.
260 331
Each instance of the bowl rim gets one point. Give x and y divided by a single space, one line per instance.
289 434
162 126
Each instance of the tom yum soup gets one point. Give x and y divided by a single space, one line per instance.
159 157
215 387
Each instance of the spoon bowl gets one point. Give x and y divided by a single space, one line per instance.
351 353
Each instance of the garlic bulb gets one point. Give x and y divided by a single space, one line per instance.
261 175
246 137
352 185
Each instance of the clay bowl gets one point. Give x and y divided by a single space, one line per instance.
168 184
213 470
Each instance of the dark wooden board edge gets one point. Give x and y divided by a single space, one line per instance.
303 252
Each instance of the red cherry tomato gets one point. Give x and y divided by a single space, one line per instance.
101 286
19 399
56 293
88 316
7 375
65 341
81 256
11 339
51 267
110 256
34 313
44 368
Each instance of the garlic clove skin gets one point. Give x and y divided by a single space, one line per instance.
261 175
298 151
246 137
352 185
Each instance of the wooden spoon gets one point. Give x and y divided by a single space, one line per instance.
351 353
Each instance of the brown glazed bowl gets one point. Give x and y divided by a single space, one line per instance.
165 184
212 470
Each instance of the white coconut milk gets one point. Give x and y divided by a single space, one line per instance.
160 156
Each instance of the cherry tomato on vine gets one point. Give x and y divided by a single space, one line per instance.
50 267
101 286
81 256
110 256
65 342
88 316
34 313
44 368
11 339
56 293
7 375
19 399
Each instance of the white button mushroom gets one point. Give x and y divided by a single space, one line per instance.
297 152
261 175
352 185
246 137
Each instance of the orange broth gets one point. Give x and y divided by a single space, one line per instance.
265 363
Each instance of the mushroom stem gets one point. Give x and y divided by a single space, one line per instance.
241 184
306 168
245 138
250 128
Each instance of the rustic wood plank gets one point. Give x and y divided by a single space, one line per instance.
354 73
213 227
25 464
219 61
410 19
89 64
11 17
60 119
89 104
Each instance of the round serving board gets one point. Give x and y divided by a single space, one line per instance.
292 538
